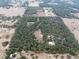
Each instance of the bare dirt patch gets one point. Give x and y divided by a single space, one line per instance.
6 41
39 36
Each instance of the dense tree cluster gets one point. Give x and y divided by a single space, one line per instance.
24 39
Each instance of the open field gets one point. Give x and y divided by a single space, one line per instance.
73 25
13 11
33 55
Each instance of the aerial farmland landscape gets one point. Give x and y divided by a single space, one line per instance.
39 29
